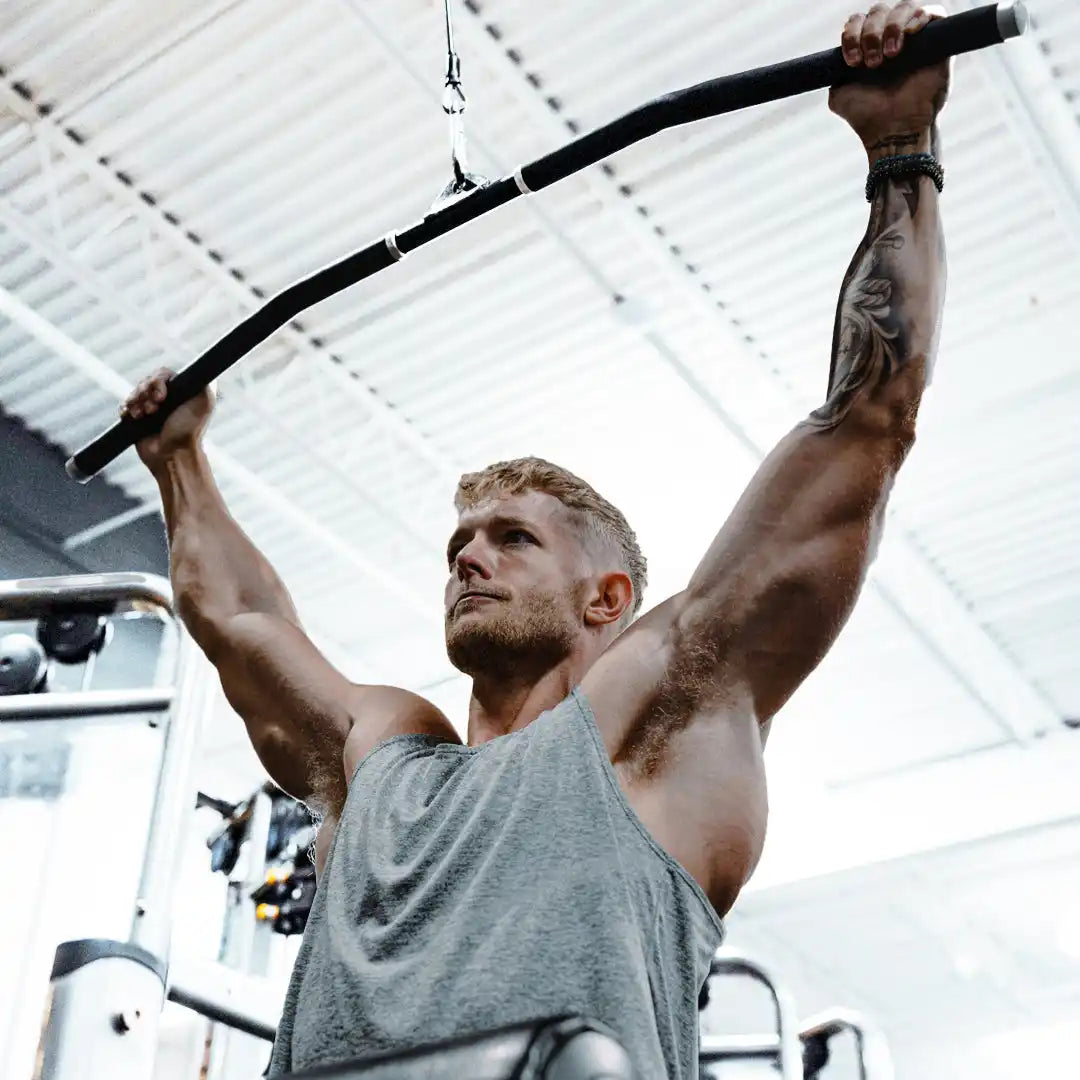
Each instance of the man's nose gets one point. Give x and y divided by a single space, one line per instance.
470 562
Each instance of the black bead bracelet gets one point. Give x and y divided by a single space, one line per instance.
889 168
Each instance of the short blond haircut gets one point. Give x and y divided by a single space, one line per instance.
601 520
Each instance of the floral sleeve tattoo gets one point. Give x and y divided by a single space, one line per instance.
890 301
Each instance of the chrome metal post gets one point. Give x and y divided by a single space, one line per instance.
871 1048
174 801
787 1049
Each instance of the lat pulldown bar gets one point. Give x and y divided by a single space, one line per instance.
965 32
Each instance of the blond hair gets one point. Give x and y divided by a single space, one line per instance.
601 519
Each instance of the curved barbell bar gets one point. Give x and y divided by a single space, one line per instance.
964 32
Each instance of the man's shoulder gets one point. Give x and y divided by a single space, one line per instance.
378 713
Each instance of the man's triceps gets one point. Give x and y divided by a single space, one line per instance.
294 704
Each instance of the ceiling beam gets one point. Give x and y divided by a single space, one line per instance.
622 210
186 24
906 579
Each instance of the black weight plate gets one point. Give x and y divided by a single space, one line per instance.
23 665
71 637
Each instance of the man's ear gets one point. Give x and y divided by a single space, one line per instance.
613 594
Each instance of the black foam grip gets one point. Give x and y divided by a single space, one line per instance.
951 36
942 38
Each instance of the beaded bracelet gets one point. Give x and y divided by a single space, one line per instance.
904 165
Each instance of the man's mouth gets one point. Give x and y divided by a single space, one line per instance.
473 595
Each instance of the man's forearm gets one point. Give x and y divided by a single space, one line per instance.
889 313
217 572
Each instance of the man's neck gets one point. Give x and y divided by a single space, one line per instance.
497 707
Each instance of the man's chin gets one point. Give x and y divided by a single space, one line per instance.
468 652
475 646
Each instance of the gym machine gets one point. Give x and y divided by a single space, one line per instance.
278 834
262 846
95 786
795 1051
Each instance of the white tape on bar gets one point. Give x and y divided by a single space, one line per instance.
520 181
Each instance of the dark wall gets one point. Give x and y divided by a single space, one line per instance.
40 506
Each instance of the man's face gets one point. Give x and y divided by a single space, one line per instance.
515 596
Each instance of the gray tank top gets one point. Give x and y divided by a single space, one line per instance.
472 887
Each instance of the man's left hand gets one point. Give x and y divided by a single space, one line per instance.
896 117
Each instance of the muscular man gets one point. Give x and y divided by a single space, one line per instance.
578 852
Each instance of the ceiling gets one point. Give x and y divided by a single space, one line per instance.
164 168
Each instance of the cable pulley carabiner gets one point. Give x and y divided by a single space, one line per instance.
454 104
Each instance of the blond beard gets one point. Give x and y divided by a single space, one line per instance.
522 639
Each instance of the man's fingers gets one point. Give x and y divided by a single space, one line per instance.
131 405
156 387
851 40
923 15
873 33
917 21
147 395
892 38
879 34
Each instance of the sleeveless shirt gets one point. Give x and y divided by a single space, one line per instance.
468 888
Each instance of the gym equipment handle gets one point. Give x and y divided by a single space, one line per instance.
86 703
222 1012
965 32
30 598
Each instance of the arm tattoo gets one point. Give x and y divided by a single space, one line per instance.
866 337
890 300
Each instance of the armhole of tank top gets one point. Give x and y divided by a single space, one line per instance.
410 736
665 856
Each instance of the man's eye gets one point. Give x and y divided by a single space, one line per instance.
519 536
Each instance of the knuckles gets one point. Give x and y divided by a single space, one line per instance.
147 394
882 30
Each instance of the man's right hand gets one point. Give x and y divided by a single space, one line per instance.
182 430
